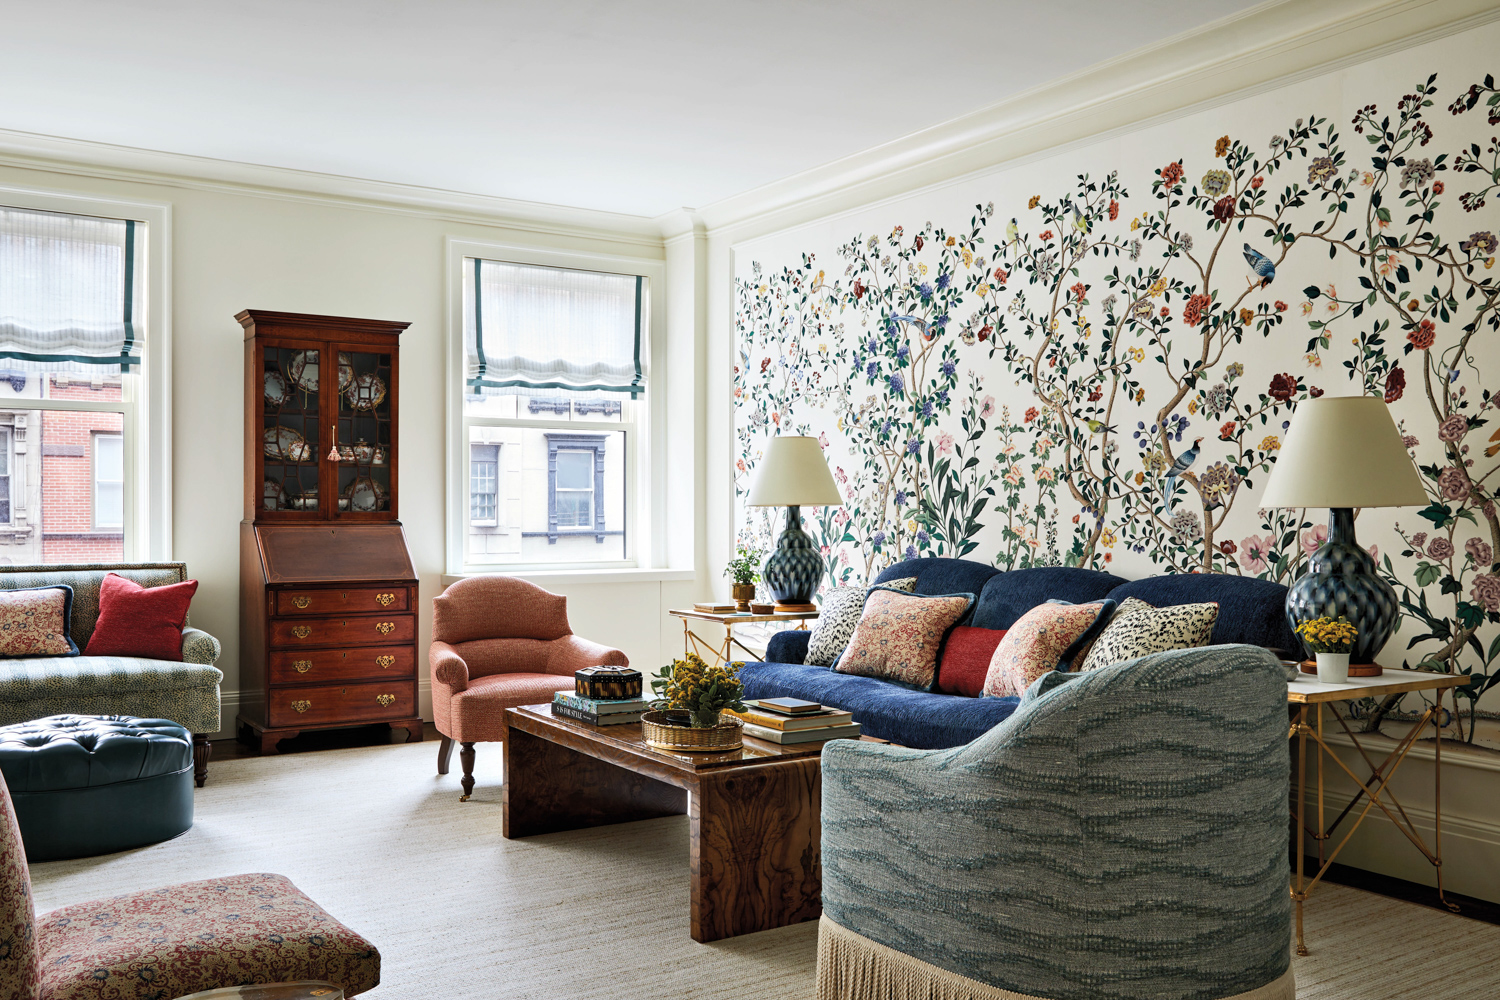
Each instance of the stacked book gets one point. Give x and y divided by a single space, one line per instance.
598 711
792 720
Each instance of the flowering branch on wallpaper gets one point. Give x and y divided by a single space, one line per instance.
1131 356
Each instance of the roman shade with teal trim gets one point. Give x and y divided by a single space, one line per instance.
528 327
71 290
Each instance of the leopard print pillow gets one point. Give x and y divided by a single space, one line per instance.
1138 629
837 617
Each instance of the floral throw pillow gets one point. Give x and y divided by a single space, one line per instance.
1037 643
838 615
36 622
1138 629
899 635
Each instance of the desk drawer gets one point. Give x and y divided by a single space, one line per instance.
361 663
355 600
382 630
335 703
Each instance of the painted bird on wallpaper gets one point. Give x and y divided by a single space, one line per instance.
1261 265
918 322
1098 427
1012 232
1080 221
1184 462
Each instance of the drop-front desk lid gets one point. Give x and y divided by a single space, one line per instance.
324 553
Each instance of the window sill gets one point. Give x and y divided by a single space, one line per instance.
562 577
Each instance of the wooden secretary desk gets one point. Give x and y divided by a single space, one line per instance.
328 593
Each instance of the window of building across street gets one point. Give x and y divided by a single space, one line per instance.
553 389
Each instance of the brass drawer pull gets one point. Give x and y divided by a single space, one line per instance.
301 705
385 661
303 666
384 600
301 631
302 602
386 628
385 700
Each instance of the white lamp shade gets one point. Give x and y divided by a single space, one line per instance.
1343 451
794 474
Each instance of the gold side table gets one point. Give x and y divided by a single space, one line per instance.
1313 694
692 644
307 990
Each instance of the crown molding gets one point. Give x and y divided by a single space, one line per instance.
1269 45
82 158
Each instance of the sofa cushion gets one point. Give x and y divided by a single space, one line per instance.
788 646
838 615
923 719
85 581
1008 596
1137 629
966 660
900 635
1251 611
186 693
141 621
35 621
1039 641
941 575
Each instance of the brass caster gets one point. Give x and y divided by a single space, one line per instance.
463 798
1302 950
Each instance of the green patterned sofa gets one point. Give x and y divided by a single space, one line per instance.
1122 836
186 692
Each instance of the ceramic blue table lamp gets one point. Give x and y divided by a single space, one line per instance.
793 475
1343 452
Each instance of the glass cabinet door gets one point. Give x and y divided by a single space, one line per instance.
366 445
289 432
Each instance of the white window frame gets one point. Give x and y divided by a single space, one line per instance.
146 398
94 479
644 436
8 494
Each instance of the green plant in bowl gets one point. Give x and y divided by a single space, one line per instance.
689 688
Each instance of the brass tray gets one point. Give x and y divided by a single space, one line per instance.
727 735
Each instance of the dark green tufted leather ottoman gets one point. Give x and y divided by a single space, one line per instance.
96 784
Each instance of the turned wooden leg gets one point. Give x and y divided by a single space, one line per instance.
202 750
445 754
466 757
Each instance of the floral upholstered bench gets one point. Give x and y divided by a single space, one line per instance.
187 692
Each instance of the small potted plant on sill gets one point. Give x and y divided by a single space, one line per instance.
690 695
1330 640
744 571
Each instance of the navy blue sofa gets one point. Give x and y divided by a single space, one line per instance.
1250 611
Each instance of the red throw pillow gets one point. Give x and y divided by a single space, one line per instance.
140 621
966 660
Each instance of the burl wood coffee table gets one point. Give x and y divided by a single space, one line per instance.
756 828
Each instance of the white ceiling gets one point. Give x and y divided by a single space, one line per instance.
635 106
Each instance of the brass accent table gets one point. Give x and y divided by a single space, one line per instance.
273 991
1313 693
692 644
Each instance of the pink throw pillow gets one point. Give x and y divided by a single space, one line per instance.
1035 644
899 635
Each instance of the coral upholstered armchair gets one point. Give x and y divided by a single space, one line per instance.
499 642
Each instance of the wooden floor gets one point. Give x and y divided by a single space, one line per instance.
379 734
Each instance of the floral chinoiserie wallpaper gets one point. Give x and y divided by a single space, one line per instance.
1091 359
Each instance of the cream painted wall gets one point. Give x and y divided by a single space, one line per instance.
235 250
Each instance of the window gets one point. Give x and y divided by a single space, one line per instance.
74 329
484 483
109 481
550 399
5 460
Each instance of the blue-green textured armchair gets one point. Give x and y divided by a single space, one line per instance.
1122 836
